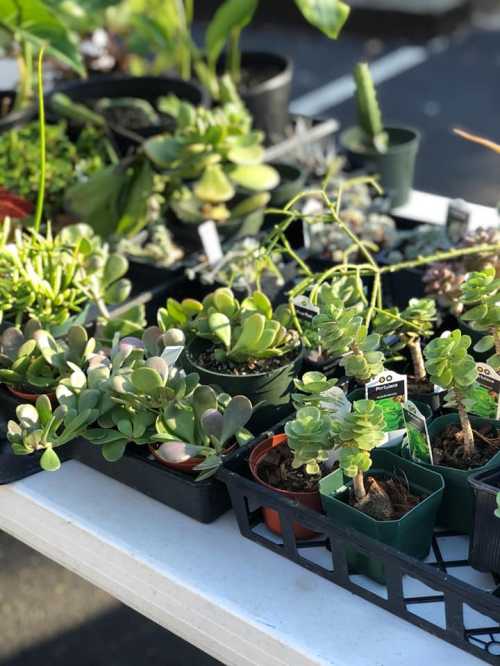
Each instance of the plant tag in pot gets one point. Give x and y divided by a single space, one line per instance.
210 240
309 229
171 354
391 390
304 308
419 444
484 397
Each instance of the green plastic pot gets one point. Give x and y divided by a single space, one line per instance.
457 508
411 534
395 438
396 167
271 391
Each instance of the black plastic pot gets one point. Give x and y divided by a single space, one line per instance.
292 181
396 167
432 400
403 284
149 88
268 100
14 119
270 390
411 534
484 550
203 501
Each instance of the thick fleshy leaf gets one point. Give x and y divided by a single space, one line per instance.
214 186
212 423
258 177
50 460
329 16
177 452
231 15
220 326
236 416
113 451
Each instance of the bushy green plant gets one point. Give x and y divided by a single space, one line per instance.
343 334
32 358
309 438
481 290
55 278
451 366
357 434
312 387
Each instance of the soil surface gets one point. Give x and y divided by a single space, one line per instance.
386 499
128 117
252 77
252 367
447 447
275 469
419 386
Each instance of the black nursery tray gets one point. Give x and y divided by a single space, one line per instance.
443 595
204 501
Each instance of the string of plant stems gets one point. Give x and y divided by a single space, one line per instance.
278 242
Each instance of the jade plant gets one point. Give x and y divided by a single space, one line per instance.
451 366
370 122
244 331
33 359
344 335
481 300
313 388
357 434
310 438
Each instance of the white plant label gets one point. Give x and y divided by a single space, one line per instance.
486 396
171 354
391 389
304 308
210 240
419 443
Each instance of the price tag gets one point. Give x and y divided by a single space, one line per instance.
304 308
419 443
309 229
390 389
485 396
171 354
210 240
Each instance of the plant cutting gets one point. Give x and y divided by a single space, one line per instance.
244 347
389 151
461 444
396 504
481 300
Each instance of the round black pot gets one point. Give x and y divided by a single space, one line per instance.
268 100
14 119
396 167
149 88
270 390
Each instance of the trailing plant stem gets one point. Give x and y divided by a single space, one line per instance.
41 124
358 484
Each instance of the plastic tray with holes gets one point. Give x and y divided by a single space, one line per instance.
443 594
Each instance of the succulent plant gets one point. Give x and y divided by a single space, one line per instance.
357 434
481 290
342 333
451 366
34 359
202 425
56 278
153 245
369 115
312 387
443 281
40 428
309 438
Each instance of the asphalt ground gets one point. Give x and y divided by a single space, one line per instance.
50 617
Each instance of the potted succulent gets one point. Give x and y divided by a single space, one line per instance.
244 347
397 504
32 361
388 151
461 444
481 300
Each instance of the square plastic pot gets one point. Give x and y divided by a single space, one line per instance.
411 534
484 551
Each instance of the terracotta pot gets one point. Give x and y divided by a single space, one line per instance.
186 466
310 498
30 397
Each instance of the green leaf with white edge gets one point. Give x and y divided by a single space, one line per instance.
44 409
485 344
50 460
27 416
33 21
220 326
214 186
231 15
113 451
255 177
329 16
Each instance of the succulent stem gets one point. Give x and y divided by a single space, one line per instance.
358 484
465 425
417 359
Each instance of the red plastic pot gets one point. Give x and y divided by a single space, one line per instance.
309 498
30 397
187 466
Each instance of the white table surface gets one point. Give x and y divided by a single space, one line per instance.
239 602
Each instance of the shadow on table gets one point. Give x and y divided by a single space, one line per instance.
117 638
